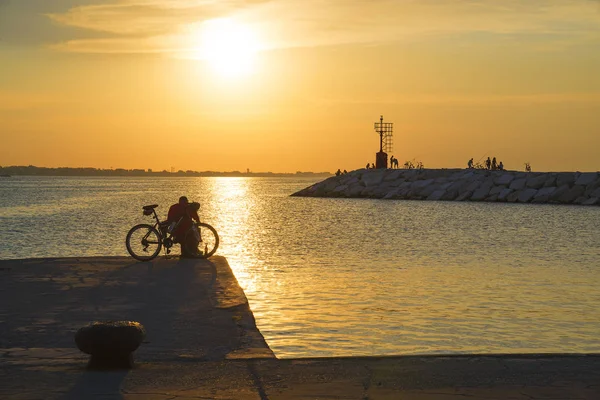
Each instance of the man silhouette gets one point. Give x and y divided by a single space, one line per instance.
182 215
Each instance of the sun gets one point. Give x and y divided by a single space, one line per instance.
229 47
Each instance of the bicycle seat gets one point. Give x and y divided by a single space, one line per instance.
153 206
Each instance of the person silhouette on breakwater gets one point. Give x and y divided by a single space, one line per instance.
494 164
338 172
501 166
488 163
367 167
372 166
470 163
187 212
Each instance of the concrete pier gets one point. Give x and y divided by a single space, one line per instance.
202 342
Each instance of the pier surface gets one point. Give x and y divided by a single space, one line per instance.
203 343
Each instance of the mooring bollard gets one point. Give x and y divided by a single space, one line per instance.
111 343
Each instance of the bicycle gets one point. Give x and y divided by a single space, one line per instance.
150 239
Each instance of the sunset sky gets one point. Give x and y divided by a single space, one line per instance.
292 85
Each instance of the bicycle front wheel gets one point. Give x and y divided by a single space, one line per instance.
143 242
208 241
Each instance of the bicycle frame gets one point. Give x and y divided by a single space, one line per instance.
166 236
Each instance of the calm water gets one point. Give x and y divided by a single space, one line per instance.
333 277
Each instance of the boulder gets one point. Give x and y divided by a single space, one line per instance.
595 193
464 196
513 197
391 195
354 190
445 185
458 185
592 201
396 183
332 183
402 192
492 198
394 175
411 175
367 192
569 196
340 189
504 179
428 190
592 187
586 178
373 178
110 343
450 194
351 181
550 180
536 182
480 194
518 184
381 191
580 200
543 195
526 195
504 194
487 184
559 192
497 190
468 174
565 178
422 183
437 195
472 186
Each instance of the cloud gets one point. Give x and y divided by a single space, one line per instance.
134 26
443 99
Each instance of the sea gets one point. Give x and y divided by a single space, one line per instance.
350 277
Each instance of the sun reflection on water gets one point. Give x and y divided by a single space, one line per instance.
231 207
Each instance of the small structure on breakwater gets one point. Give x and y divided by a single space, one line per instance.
385 131
462 185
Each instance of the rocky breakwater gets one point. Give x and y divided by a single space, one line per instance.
462 185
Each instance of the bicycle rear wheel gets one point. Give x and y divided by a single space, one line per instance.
143 242
209 241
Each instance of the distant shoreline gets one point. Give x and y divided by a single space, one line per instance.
121 172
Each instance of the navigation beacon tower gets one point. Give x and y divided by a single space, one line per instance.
385 130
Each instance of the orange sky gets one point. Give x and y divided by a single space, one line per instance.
297 85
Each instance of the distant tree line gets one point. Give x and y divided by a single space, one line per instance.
67 171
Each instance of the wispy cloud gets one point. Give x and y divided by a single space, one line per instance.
133 26
440 99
